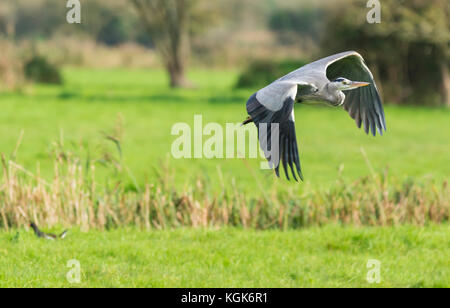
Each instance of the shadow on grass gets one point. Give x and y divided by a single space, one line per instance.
219 98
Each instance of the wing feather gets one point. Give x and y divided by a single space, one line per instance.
287 141
274 104
367 99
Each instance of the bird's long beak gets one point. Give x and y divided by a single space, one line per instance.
358 84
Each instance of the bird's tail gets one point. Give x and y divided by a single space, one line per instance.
63 234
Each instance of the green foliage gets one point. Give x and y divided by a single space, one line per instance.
112 22
263 72
408 50
39 70
113 32
305 22
37 19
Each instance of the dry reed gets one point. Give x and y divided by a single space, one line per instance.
74 199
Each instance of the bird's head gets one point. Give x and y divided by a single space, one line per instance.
343 84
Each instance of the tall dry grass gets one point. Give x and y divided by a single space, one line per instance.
83 52
72 198
11 65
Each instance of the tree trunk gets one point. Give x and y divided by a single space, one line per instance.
175 55
10 29
177 76
167 22
445 75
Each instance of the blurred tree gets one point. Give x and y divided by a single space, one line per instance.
109 22
170 24
113 33
304 22
7 18
260 73
298 26
409 48
39 18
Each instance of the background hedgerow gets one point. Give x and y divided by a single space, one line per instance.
260 73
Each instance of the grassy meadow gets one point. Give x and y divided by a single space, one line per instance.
131 210
331 256
139 108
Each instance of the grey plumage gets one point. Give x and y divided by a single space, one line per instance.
324 80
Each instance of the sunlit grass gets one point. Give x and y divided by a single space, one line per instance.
91 102
343 186
318 257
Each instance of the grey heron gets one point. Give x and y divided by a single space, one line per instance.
323 80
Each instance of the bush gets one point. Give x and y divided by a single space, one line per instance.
39 70
113 33
305 22
263 72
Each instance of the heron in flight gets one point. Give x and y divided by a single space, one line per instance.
340 80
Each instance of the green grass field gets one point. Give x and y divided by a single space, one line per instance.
139 106
91 102
318 257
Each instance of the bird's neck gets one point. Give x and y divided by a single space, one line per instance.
335 96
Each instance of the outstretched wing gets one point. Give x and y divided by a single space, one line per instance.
275 103
289 149
363 104
272 111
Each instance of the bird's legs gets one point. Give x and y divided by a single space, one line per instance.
248 120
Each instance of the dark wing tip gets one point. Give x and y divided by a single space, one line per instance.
363 104
289 151
285 130
300 174
277 171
